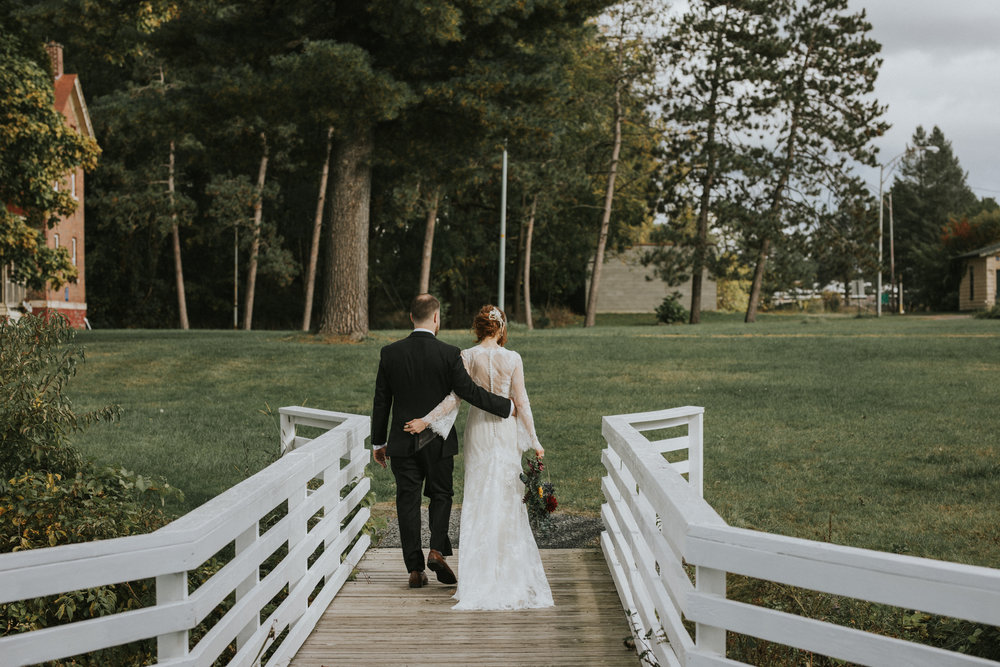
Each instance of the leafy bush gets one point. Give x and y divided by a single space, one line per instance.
556 317
49 495
671 310
36 417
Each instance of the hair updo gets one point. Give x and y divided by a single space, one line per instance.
490 321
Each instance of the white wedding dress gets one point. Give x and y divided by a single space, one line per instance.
499 566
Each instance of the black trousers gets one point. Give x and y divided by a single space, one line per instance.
424 469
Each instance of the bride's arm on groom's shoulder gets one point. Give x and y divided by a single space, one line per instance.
528 439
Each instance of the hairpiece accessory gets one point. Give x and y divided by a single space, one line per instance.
496 316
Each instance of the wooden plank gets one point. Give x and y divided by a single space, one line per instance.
378 620
670 444
809 634
658 419
937 587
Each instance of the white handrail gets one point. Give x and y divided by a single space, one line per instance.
657 522
306 484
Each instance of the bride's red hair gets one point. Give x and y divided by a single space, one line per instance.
484 325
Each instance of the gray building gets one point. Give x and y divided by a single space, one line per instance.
629 287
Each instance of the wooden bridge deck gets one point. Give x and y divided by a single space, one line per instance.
378 620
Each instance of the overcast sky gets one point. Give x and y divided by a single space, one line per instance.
941 67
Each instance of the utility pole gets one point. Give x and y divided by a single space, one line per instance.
503 226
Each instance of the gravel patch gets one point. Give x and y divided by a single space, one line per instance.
568 531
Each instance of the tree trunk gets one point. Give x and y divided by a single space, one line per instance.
317 231
758 280
176 234
707 182
425 259
701 242
609 195
345 307
258 215
775 209
517 312
527 262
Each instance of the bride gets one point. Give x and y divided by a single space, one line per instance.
498 559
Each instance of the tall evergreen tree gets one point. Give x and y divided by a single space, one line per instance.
929 190
630 44
716 54
825 119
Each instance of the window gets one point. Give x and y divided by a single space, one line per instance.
55 239
73 252
972 284
72 185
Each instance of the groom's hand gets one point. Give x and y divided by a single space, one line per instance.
379 456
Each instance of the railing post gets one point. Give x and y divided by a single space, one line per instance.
287 432
297 533
708 638
171 588
696 454
243 542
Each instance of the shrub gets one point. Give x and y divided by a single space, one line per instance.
50 496
831 301
556 317
36 417
671 310
991 314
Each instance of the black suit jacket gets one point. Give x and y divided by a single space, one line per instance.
414 375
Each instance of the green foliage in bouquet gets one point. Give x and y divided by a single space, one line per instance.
539 497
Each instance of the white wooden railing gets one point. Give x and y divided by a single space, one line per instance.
317 484
657 523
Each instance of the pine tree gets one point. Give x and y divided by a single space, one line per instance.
825 119
716 54
929 190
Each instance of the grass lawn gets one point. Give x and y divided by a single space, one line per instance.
878 433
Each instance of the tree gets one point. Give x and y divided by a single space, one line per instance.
37 150
715 54
317 233
929 190
633 69
825 120
844 241
460 58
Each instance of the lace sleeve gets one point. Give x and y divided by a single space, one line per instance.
442 418
526 437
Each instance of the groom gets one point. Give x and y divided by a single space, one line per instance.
414 375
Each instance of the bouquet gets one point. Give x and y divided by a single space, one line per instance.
539 497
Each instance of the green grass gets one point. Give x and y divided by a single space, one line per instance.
878 433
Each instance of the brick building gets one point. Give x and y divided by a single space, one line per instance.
71 299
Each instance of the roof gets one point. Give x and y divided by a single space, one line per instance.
67 87
993 249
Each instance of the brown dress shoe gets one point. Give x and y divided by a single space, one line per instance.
418 578
437 565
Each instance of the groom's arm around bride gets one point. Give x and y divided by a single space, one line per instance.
414 375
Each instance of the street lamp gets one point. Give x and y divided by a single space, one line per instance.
884 170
